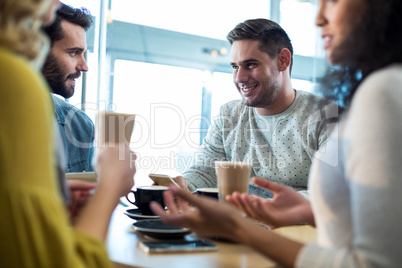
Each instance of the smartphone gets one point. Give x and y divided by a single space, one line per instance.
177 246
163 180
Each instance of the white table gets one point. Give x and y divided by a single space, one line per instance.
122 245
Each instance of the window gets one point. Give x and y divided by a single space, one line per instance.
208 18
297 17
166 101
223 90
160 59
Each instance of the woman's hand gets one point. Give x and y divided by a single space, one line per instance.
210 218
116 169
115 172
217 219
80 193
287 207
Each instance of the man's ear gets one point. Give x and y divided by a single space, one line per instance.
284 58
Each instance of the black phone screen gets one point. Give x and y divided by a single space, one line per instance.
169 246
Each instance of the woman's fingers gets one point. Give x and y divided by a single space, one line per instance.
175 203
157 209
268 185
170 202
250 205
198 201
80 185
236 200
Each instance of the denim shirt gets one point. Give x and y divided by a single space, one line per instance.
77 131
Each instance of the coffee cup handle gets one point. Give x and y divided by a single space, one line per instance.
128 199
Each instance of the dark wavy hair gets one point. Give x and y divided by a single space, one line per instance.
375 41
78 16
270 34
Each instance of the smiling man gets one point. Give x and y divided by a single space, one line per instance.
64 64
274 127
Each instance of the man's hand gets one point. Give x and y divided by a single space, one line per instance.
181 181
80 192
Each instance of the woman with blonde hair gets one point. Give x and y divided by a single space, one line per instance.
34 225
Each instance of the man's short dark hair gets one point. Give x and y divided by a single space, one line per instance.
78 16
272 38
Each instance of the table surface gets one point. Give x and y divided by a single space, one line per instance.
122 245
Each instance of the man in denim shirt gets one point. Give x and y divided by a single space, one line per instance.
63 66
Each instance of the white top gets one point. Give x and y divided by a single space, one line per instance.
357 201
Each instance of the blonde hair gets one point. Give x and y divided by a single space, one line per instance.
20 28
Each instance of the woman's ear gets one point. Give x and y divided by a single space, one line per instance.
284 59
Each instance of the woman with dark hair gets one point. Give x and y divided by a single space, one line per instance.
355 186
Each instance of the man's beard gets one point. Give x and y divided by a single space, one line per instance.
57 78
266 97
